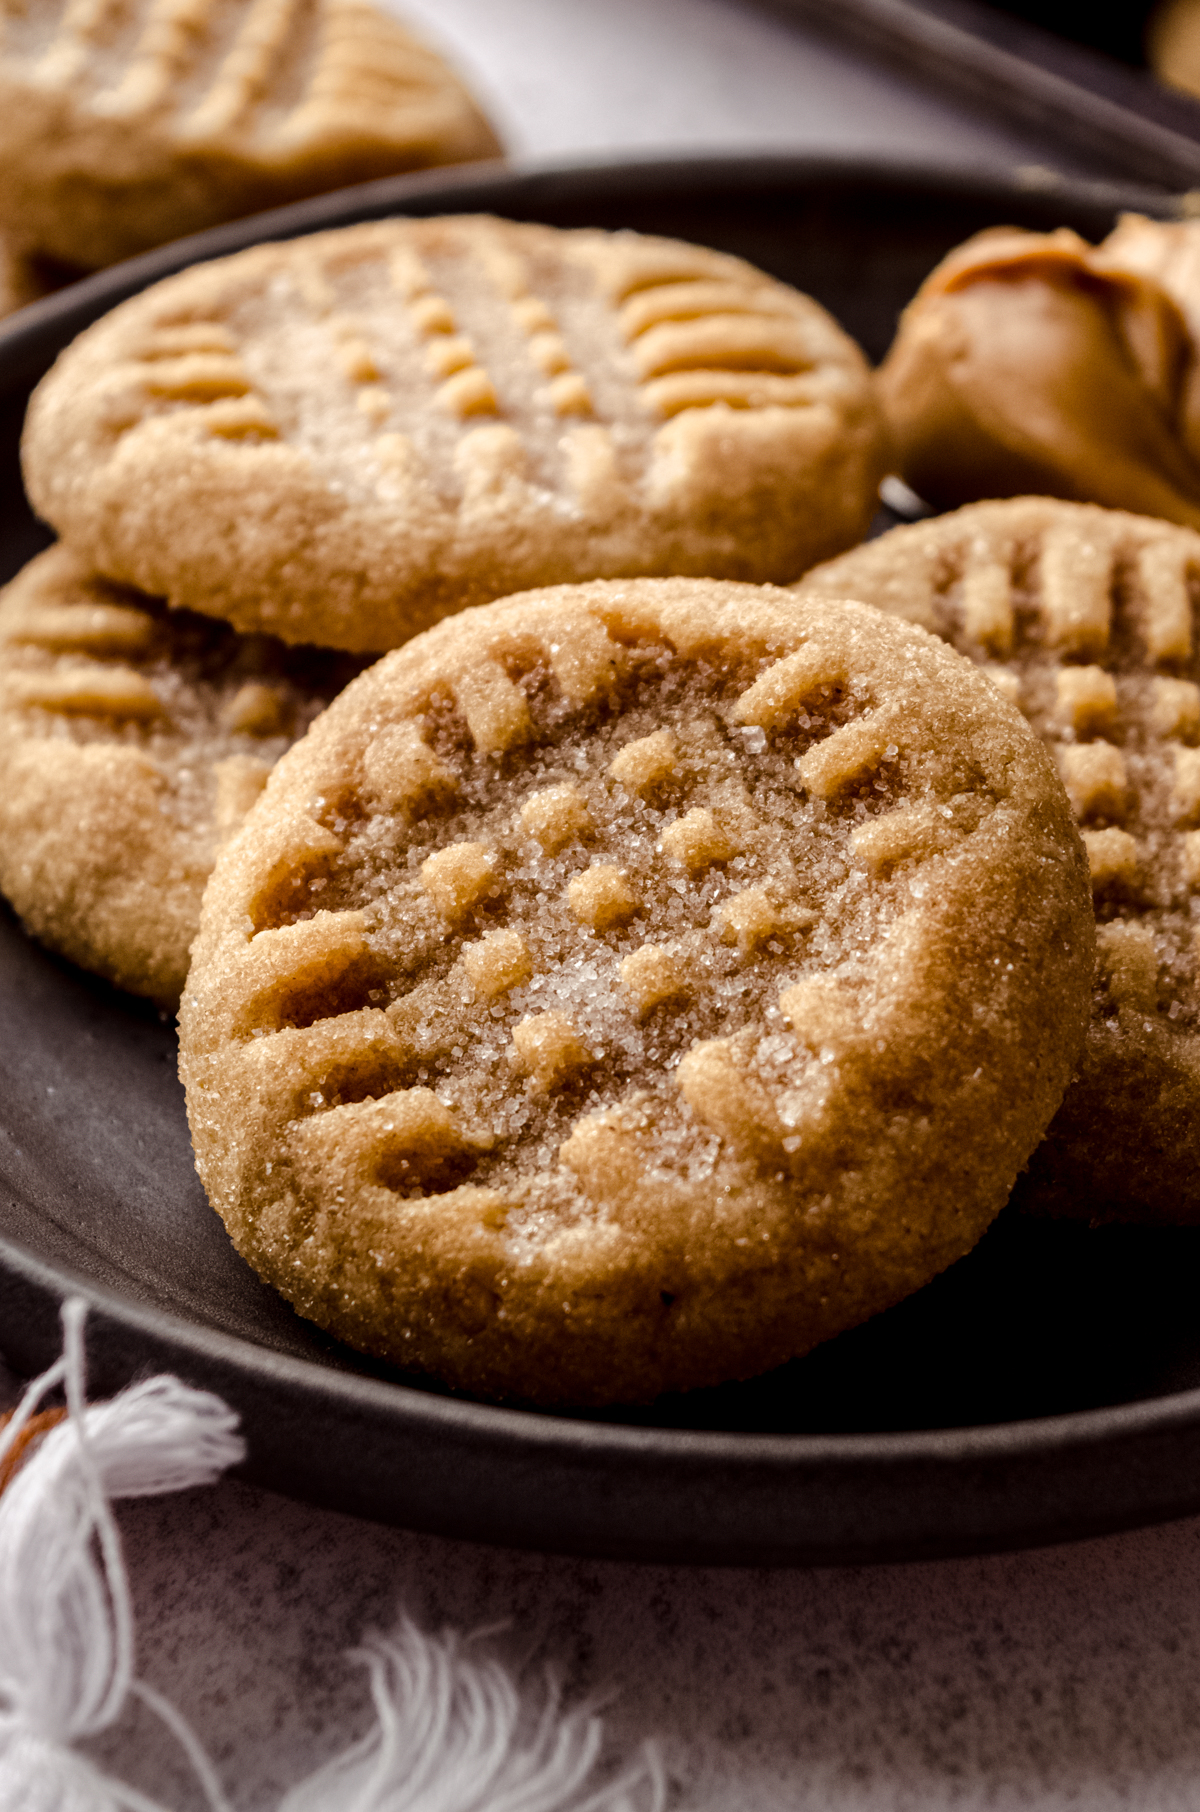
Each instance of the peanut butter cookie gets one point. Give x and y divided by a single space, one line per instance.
125 125
1086 619
132 741
344 438
625 987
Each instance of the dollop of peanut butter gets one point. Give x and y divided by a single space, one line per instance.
1035 362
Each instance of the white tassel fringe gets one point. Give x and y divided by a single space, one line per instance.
452 1735
452 1731
66 1623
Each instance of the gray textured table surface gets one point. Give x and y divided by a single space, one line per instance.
1064 1678
1061 1678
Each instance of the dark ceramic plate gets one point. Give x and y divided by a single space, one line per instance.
1048 1386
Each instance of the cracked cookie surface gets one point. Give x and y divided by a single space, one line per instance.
1086 619
625 987
344 438
132 742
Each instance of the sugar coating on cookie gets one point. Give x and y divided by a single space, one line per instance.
344 438
133 741
1087 619
126 125
752 1049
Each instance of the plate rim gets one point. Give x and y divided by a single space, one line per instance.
24 332
1079 1429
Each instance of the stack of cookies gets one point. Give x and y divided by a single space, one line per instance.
643 972
338 441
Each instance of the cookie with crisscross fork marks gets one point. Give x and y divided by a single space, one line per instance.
1087 620
344 438
132 741
626 986
125 123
